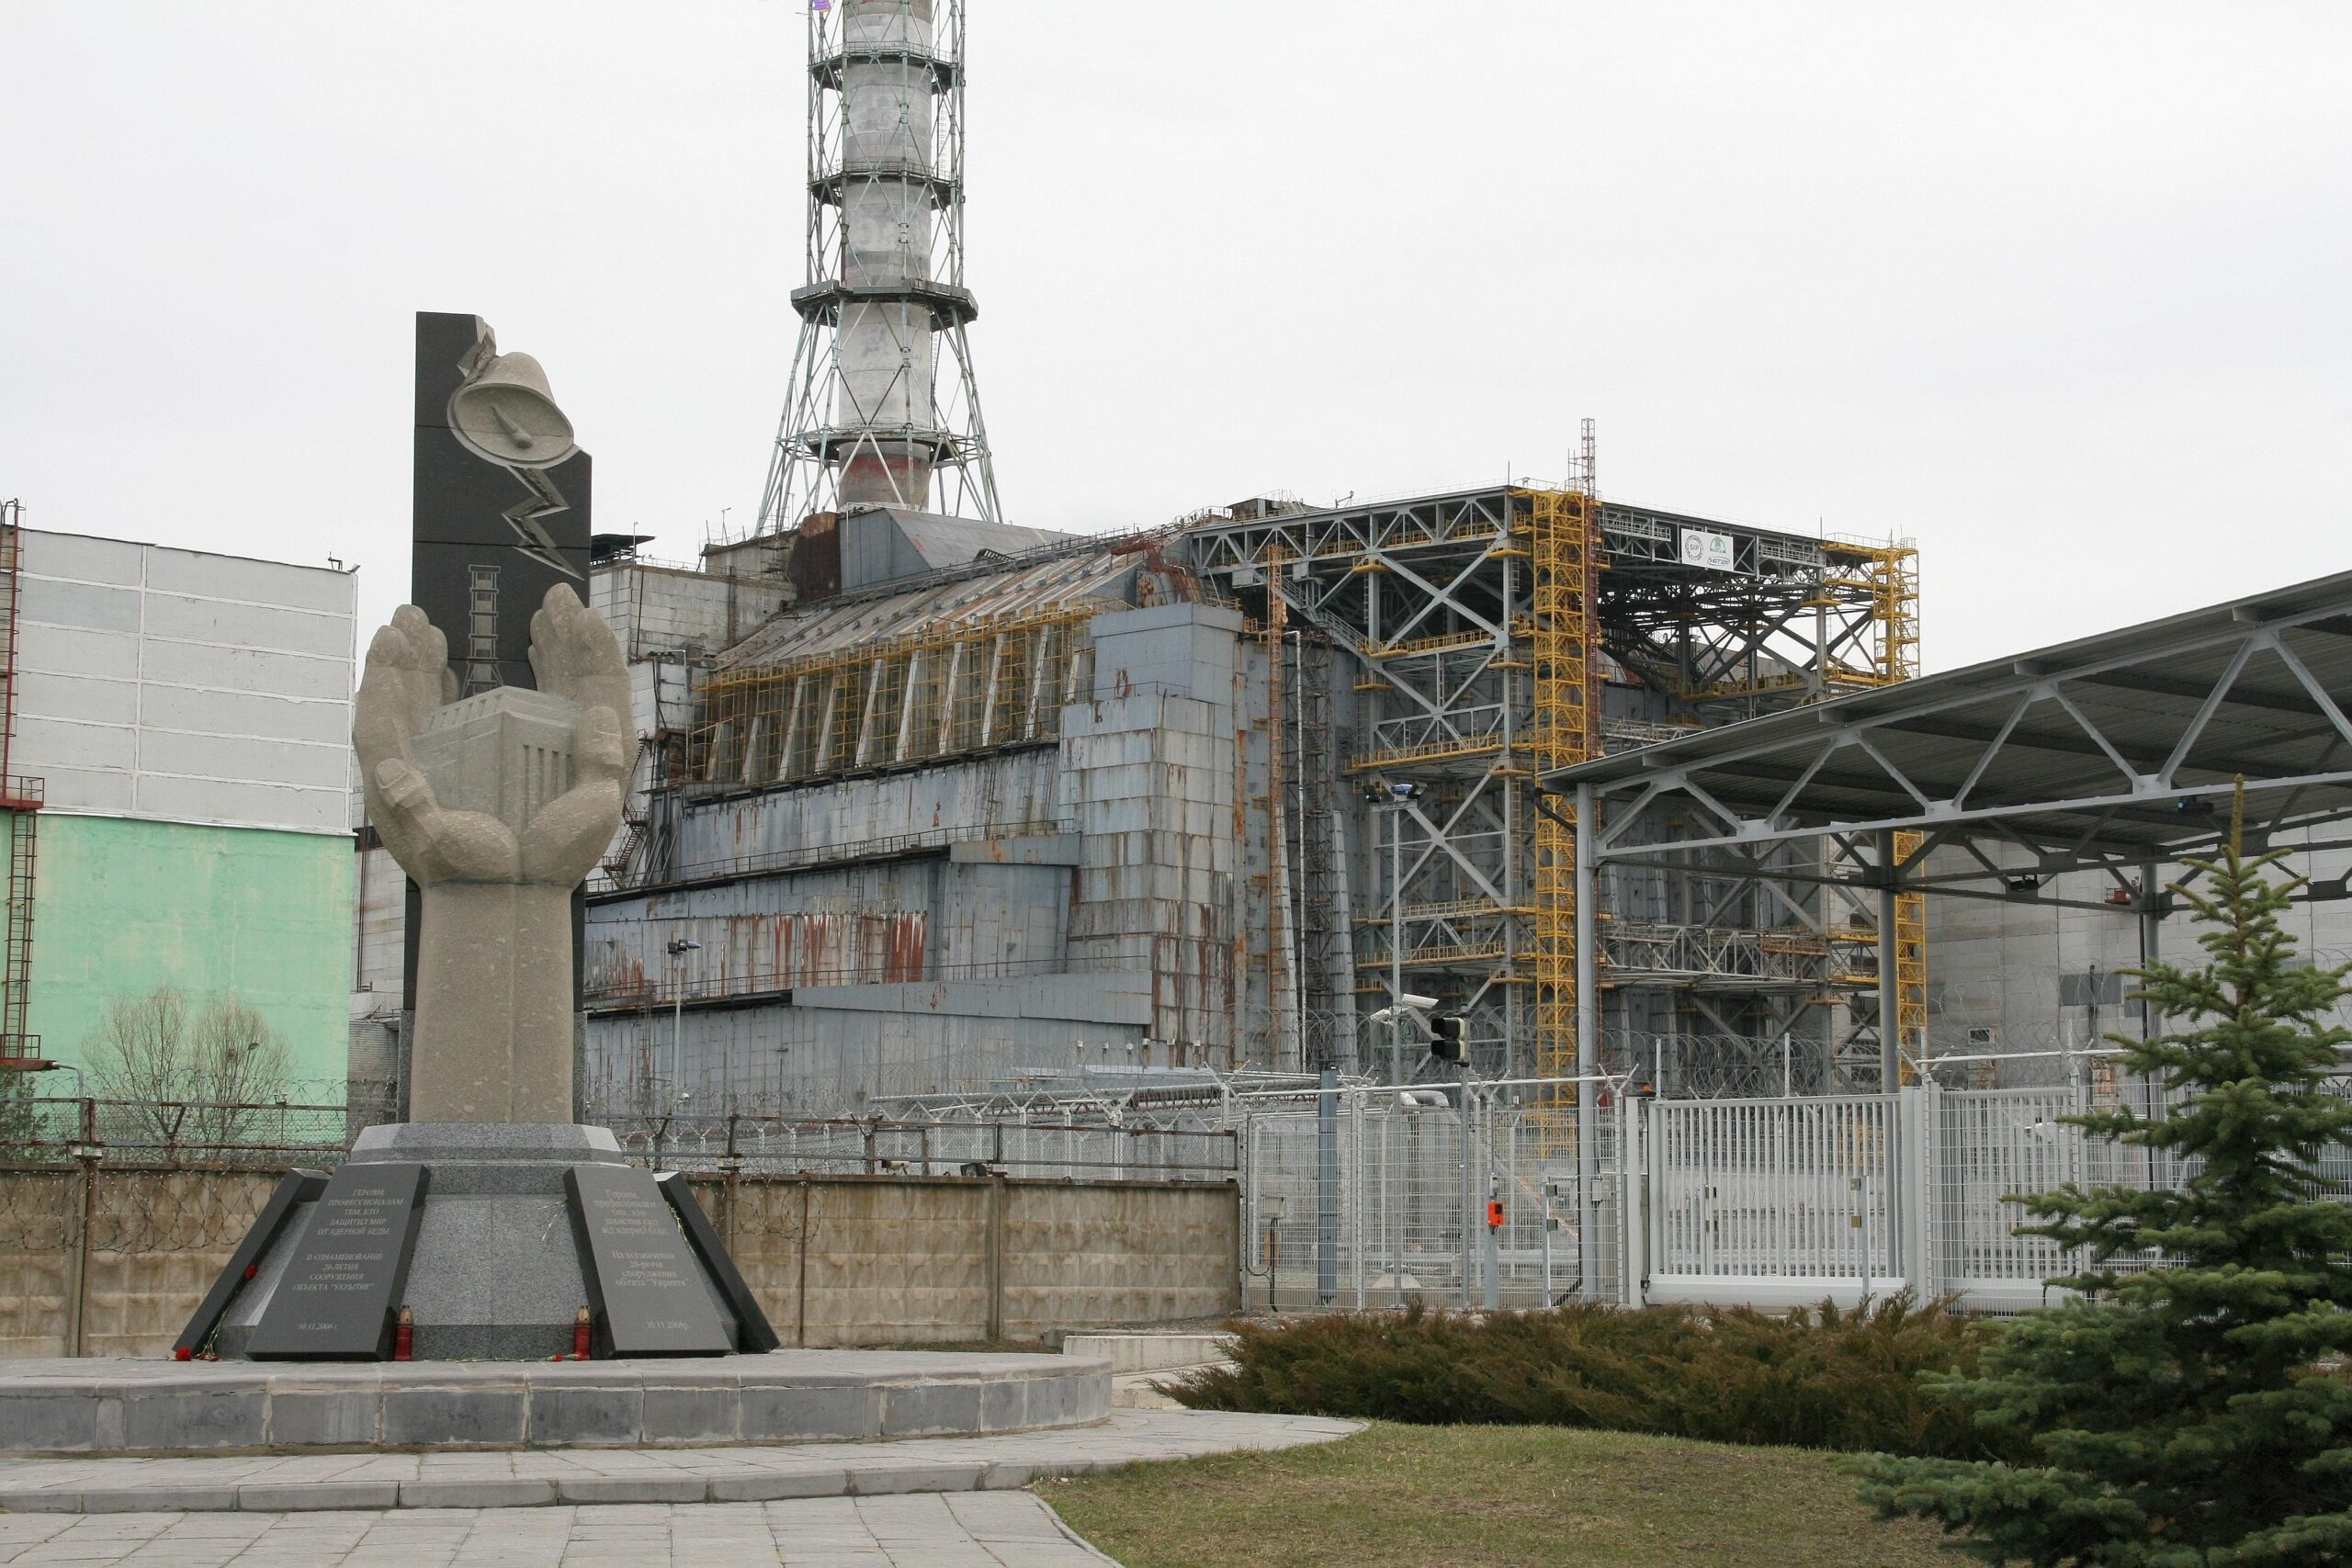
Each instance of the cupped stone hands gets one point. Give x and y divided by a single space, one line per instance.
574 655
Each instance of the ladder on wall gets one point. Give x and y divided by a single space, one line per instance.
21 802
481 630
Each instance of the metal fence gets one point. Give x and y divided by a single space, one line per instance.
1359 1197
1029 1146
1366 1196
1372 1198
62 1132
173 1133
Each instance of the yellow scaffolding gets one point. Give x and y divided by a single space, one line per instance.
1910 967
1889 574
1564 543
949 689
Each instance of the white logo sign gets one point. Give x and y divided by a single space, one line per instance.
1710 550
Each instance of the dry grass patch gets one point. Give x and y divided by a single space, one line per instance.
1492 1497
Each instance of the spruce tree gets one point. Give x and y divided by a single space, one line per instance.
2192 1405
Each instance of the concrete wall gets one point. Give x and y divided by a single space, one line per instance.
840 1047
1998 967
836 1260
177 685
658 609
123 904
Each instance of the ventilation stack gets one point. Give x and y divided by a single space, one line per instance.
883 411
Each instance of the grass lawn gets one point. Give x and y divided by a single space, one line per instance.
1486 1496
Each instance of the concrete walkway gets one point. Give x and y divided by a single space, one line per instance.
980 1530
551 1478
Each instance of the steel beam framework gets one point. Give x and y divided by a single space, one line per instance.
1486 631
2112 756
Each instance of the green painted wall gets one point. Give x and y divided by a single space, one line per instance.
120 905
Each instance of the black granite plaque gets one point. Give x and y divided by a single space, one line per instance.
644 1283
294 1187
341 1293
752 1331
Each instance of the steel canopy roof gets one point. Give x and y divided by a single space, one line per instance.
2110 749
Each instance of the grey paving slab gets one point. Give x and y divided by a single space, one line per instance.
1004 1530
542 1478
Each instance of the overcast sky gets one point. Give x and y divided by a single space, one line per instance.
2058 290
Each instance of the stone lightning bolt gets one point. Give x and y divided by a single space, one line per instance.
523 517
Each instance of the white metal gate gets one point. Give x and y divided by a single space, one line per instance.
1774 1201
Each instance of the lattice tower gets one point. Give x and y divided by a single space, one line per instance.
874 418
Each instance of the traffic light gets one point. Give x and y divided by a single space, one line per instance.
1445 1036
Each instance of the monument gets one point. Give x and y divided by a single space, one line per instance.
489 1225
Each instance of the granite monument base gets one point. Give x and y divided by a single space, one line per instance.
503 1261
119 1406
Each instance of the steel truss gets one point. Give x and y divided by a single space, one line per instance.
1483 632
2115 755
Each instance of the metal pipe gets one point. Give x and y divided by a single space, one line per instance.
1465 1135
1397 942
1889 1067
1587 1049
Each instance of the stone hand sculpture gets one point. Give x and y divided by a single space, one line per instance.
498 807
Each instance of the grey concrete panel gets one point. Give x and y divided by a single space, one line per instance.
307 1418
82 557
625 1489
492 1493
249 670
87 789
201 575
88 605
561 1416
246 712
283 807
85 698
773 1486
244 760
799 1413
192 1416
317 1495
692 1414
71 652
179 619
922 1409
63 1421
44 742
456 1417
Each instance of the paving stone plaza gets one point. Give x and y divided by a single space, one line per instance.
940 1501
988 1530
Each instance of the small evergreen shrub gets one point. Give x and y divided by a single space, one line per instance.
1821 1379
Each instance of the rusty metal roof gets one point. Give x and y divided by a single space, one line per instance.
1103 573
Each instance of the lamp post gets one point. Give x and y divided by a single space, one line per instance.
679 947
1394 797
